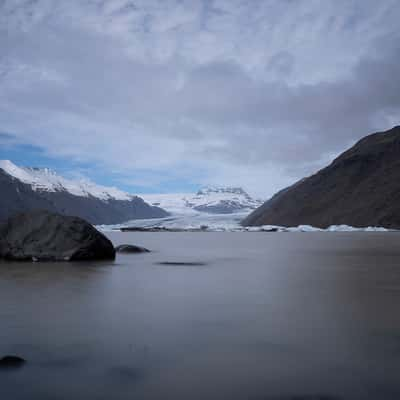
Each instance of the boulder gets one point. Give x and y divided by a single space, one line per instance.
8 362
45 236
130 248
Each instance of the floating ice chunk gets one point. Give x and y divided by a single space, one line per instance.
304 228
347 228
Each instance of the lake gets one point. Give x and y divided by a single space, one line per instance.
253 316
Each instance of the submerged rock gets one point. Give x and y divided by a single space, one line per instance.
130 248
9 362
44 236
183 263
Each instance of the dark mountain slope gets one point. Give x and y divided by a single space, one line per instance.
16 197
360 188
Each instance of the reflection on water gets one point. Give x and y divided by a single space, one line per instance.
209 316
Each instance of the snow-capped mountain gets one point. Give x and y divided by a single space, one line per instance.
45 179
214 200
26 188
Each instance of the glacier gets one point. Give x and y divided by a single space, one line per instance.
185 215
205 222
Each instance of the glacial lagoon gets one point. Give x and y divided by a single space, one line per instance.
209 315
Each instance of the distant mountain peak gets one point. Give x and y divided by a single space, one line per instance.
46 179
210 199
221 189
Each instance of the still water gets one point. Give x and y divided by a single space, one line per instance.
254 316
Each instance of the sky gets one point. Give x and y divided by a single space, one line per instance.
169 95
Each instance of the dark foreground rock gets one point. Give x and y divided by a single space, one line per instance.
44 236
11 362
130 248
360 188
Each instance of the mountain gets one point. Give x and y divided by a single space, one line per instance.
219 200
24 189
213 200
359 188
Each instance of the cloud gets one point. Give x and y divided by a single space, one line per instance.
255 93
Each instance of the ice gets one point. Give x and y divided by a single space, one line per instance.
347 228
227 223
174 203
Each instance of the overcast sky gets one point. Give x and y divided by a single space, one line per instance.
159 96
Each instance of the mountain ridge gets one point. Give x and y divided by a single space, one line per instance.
27 188
361 187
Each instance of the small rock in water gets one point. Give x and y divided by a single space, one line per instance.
11 362
130 248
183 263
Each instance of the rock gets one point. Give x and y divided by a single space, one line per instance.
273 229
11 362
130 248
44 236
183 263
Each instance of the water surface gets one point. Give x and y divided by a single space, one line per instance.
209 316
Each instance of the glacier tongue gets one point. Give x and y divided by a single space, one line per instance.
192 212
200 221
44 179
